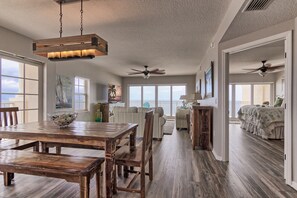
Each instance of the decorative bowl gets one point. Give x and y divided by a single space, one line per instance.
62 120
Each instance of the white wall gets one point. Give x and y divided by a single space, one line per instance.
279 77
189 80
18 44
254 78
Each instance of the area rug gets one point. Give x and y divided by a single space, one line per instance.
169 127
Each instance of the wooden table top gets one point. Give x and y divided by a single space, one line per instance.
98 131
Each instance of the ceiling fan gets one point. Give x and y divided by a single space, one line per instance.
147 72
265 68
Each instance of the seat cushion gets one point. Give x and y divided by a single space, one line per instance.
125 109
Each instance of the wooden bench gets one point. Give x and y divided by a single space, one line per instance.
71 168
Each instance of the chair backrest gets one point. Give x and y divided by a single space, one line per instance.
8 116
148 134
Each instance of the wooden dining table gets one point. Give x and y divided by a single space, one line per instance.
98 134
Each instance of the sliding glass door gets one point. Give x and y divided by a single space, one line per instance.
135 96
242 96
164 99
177 91
149 96
248 94
166 96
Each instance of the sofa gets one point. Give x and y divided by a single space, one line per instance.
181 118
137 115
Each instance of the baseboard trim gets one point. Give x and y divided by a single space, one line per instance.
294 185
216 155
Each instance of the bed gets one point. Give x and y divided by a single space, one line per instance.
267 122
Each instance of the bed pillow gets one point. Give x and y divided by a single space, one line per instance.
278 102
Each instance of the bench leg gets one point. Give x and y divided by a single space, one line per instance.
44 147
120 168
98 184
126 174
7 178
58 150
36 147
84 187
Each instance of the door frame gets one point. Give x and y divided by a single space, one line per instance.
287 38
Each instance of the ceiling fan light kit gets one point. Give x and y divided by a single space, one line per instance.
72 47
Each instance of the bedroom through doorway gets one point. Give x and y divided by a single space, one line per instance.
258 105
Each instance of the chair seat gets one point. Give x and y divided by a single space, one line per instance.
123 156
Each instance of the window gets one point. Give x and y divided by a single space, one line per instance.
149 96
166 96
177 91
20 87
242 96
135 96
248 94
81 94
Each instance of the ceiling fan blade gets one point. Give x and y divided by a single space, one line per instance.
154 70
252 70
276 68
136 70
134 73
157 72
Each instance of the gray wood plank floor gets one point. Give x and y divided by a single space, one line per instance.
255 170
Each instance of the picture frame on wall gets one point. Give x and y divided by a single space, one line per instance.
64 86
208 76
198 86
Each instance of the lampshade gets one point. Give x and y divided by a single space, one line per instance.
183 97
195 96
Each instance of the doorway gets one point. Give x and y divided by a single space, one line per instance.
287 38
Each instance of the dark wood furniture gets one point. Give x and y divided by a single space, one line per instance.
201 127
138 158
99 134
71 168
9 117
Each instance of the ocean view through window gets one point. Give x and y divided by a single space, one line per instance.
20 87
165 96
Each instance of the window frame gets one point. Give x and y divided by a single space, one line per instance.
156 94
23 111
85 94
233 113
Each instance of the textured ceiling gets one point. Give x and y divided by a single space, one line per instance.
247 22
168 34
251 59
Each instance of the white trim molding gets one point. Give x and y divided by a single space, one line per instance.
287 38
216 155
294 185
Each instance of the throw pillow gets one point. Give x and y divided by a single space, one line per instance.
278 102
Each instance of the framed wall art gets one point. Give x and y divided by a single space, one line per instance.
198 86
209 91
64 88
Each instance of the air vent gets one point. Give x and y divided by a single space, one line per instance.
254 5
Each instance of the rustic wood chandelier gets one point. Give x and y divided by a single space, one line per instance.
73 47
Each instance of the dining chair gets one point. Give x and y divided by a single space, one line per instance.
9 117
139 157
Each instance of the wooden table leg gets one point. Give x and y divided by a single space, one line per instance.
110 149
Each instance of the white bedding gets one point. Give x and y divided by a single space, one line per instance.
267 122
